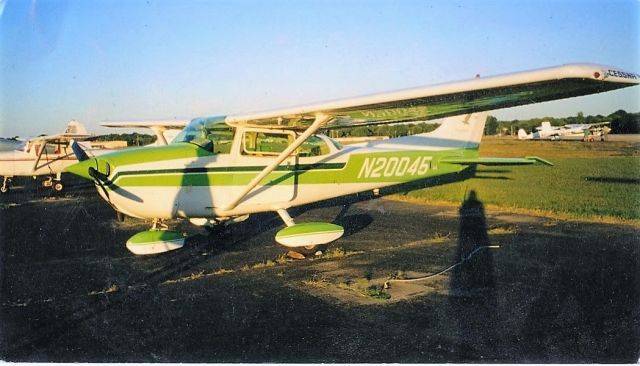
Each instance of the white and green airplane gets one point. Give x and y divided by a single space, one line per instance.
221 169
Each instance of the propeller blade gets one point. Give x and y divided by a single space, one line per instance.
99 178
80 154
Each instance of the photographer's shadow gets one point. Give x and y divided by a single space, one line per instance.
472 290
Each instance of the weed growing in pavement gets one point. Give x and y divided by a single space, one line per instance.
501 230
110 289
265 264
439 238
316 282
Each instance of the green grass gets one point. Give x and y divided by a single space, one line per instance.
588 181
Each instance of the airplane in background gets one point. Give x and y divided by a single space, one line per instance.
43 156
221 169
581 131
10 144
49 155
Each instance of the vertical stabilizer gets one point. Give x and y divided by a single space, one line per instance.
467 127
522 135
75 128
545 126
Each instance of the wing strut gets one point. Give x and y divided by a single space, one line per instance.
317 123
159 131
39 156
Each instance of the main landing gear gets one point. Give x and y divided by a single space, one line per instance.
156 240
55 184
307 238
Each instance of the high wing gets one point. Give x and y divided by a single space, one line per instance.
586 125
449 99
62 138
157 126
73 131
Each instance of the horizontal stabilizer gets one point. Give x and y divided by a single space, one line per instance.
496 161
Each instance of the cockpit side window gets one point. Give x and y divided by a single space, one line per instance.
265 143
313 146
222 138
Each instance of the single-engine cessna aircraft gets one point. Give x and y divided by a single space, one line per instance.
49 155
575 131
43 155
224 168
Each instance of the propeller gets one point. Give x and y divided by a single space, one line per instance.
100 179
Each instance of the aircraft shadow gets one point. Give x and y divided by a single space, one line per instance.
352 224
618 180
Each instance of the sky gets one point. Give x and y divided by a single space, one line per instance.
114 60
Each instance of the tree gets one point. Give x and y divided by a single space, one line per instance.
623 122
491 126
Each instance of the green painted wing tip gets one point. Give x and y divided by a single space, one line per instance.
539 160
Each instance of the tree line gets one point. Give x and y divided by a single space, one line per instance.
132 139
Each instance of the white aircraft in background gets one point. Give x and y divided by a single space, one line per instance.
49 155
10 144
223 168
44 156
573 131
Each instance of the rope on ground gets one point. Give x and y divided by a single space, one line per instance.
464 259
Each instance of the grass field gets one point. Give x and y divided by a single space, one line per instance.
592 181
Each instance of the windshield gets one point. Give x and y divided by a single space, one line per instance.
210 133
198 129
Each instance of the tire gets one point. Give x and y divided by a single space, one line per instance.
120 217
309 250
58 186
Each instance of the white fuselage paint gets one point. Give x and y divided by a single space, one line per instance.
209 201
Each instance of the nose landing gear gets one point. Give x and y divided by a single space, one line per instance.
6 184
53 183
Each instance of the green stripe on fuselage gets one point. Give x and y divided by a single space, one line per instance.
387 167
155 153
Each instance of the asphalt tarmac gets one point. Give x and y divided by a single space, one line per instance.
547 290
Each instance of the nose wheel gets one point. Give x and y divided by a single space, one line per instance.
6 183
